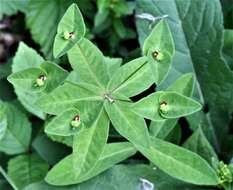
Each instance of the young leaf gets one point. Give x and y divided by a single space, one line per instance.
62 173
18 133
159 48
128 78
88 61
89 143
180 163
127 123
67 95
61 124
71 29
165 105
199 144
26 169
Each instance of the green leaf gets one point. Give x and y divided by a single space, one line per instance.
180 163
61 124
198 143
113 153
71 24
228 47
183 85
3 121
89 143
179 105
27 58
159 48
43 30
26 80
67 95
18 133
88 61
55 75
26 169
48 150
112 64
176 104
12 7
196 53
127 123
128 78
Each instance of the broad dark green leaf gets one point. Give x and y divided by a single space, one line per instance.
88 61
18 133
112 154
228 47
132 78
26 169
193 24
12 7
199 144
180 163
48 150
66 96
127 123
73 26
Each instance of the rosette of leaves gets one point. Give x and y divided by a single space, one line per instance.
98 92
109 22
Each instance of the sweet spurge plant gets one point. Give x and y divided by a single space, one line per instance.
100 113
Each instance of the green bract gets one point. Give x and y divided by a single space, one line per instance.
70 30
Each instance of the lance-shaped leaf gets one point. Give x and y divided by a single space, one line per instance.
18 133
71 29
88 61
165 105
180 163
198 143
127 123
62 173
159 48
61 124
89 143
132 78
26 169
66 96
26 80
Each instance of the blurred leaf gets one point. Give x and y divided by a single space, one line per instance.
18 133
26 169
228 47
